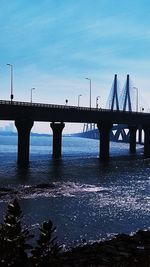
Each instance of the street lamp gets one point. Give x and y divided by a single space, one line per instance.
79 100
97 101
136 98
90 90
31 93
11 82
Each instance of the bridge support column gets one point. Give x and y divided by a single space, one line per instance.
147 141
104 129
23 127
140 135
132 130
57 138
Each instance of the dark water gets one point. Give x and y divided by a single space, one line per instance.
85 199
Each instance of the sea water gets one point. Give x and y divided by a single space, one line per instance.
85 198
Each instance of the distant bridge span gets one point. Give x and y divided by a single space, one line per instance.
24 114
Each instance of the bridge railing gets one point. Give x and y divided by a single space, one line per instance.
29 104
42 105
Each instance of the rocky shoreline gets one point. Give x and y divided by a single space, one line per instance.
123 250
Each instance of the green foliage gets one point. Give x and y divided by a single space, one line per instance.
15 251
46 252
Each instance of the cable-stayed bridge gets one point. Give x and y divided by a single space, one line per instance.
120 112
118 100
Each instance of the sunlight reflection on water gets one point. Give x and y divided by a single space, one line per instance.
86 199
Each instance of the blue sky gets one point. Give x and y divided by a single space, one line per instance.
54 44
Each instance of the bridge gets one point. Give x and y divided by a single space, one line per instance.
124 100
119 133
24 114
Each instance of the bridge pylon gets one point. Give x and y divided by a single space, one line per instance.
113 99
89 127
114 102
125 97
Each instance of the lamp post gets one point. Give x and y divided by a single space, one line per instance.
90 90
136 98
11 82
79 100
141 109
97 101
31 93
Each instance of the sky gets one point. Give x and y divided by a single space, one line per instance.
54 45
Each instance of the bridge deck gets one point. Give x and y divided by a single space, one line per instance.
57 113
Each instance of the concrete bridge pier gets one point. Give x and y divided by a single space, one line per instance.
146 141
140 134
23 127
104 128
132 131
57 138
